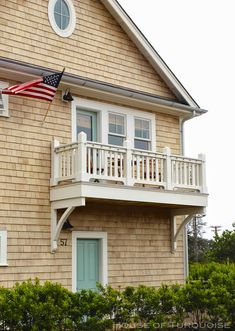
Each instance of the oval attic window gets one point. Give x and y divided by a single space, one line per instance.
62 17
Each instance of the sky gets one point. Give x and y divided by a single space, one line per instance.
196 40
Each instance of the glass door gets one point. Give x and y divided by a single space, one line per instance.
87 122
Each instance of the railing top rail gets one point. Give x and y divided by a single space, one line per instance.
65 147
147 153
185 158
114 148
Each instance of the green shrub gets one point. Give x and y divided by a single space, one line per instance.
90 311
35 307
208 296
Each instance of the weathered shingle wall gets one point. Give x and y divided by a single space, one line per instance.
98 48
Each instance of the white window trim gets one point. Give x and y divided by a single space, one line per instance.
117 134
103 109
149 140
103 255
72 23
3 248
5 111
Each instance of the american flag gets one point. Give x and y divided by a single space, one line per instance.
42 88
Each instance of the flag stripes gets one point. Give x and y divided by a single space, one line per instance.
42 88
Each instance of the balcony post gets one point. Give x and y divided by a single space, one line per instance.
54 163
81 159
202 157
128 163
167 169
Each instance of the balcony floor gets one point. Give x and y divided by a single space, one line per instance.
65 195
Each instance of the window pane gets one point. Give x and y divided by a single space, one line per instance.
137 124
65 22
112 128
145 125
64 9
119 129
115 140
141 144
116 124
58 20
145 134
142 128
119 120
58 6
138 133
84 123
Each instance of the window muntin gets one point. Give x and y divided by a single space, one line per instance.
116 134
142 134
62 17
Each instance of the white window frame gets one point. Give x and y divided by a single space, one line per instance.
103 267
3 248
4 99
116 134
72 23
149 140
103 110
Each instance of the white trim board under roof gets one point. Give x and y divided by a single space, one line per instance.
21 71
148 51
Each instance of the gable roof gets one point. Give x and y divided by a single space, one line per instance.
149 52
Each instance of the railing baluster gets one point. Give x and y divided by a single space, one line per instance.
94 161
89 160
147 168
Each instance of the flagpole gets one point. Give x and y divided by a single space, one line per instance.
49 106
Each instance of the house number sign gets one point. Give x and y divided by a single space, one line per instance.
63 242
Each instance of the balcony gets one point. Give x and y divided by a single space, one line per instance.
86 171
113 172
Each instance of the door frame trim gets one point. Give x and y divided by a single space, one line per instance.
103 268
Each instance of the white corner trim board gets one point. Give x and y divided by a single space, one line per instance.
3 248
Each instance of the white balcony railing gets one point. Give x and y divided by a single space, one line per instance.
91 161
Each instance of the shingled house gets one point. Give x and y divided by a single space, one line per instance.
100 191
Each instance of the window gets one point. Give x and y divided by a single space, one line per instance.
3 100
62 17
113 124
142 134
3 247
116 134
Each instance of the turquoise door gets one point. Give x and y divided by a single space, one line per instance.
88 252
87 122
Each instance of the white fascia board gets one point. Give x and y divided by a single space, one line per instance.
148 51
95 89
129 194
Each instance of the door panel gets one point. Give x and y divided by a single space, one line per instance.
88 252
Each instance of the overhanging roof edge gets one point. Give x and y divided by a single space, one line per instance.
32 71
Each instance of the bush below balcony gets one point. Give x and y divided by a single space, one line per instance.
205 302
